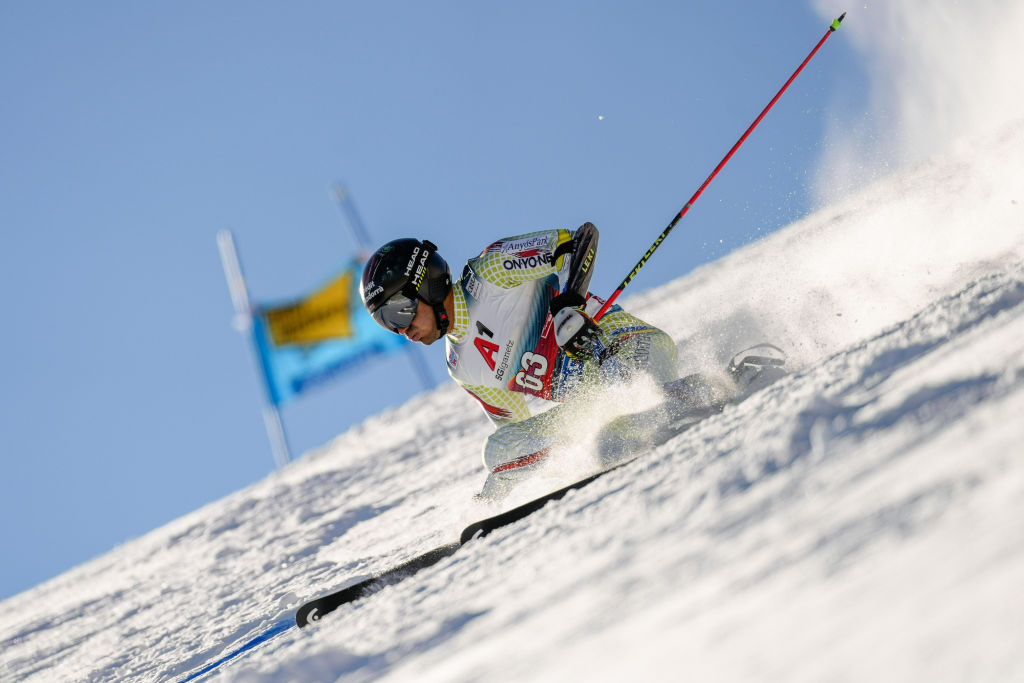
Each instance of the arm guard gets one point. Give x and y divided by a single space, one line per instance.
581 267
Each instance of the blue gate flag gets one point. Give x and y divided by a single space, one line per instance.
312 340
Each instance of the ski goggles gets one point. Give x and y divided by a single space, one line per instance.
396 312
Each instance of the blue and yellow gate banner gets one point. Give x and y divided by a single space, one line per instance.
309 341
322 316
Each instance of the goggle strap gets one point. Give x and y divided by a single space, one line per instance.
442 318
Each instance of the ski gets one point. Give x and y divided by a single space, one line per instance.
754 368
314 610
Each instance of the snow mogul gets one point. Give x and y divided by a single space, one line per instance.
518 323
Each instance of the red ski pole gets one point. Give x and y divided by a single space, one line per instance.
664 233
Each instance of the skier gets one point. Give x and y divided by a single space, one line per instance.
517 323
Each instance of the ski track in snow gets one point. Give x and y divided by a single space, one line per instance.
857 520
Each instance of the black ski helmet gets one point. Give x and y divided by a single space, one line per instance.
398 274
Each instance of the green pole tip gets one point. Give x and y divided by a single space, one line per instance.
835 24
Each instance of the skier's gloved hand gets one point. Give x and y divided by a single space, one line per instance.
576 333
567 300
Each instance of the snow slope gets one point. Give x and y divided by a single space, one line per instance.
858 520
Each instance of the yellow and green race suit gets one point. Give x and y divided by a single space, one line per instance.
501 347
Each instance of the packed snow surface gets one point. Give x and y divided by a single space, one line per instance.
861 519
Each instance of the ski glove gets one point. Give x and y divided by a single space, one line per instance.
576 333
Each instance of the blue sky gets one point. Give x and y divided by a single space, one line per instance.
133 132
